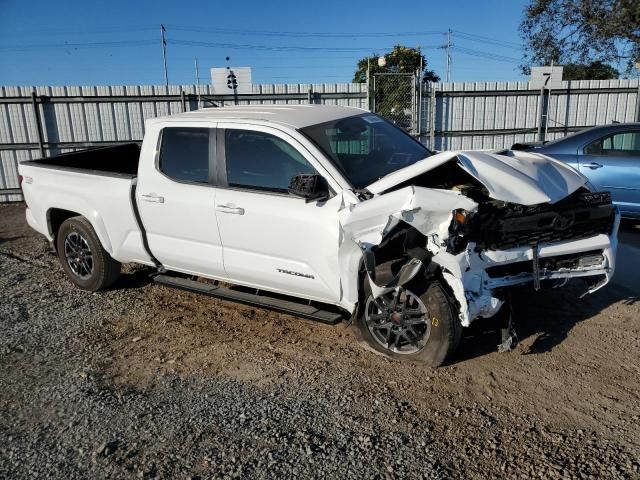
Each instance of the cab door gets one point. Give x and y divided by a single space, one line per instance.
271 239
176 197
613 163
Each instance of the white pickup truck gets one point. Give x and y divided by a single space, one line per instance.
326 212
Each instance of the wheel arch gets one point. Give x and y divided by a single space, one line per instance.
56 216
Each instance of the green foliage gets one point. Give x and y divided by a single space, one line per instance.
399 60
592 71
582 32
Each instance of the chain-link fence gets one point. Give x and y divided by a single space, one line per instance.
394 96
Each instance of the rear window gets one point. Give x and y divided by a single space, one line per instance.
184 154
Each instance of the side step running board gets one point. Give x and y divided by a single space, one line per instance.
292 307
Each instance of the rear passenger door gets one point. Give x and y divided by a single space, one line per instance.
613 163
271 239
176 197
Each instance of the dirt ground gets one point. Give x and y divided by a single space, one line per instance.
564 404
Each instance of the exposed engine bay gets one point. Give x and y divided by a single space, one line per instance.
476 221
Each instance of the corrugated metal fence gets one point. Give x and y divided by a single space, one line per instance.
470 115
488 115
37 121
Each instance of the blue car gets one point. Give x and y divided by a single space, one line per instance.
608 155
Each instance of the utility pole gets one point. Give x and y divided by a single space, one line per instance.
548 101
369 85
448 55
164 55
197 80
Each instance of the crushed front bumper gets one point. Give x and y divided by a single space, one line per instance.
488 270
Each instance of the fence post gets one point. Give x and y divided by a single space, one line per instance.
638 105
432 116
36 114
373 108
414 106
544 109
183 100
419 106
368 86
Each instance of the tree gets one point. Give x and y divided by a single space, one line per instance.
399 60
592 71
582 32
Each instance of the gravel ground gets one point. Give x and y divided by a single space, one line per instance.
144 381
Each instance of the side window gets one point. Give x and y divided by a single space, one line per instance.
594 148
261 161
184 154
623 144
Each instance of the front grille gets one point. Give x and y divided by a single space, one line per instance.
580 215
571 261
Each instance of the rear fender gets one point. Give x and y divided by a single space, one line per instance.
82 208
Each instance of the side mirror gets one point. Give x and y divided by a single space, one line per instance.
309 186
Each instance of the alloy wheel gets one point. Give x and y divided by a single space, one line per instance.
398 321
78 255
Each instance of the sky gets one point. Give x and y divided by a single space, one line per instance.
118 42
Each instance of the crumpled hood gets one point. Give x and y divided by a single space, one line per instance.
518 177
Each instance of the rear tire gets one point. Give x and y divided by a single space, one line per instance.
439 332
86 262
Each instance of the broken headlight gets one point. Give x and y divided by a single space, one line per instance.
458 230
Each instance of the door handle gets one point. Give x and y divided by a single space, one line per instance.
230 209
152 197
593 165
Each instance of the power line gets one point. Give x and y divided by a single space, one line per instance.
98 31
121 43
271 33
487 55
236 46
487 40
283 48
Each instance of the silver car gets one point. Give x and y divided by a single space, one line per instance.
608 155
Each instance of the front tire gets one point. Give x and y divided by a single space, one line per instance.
85 261
416 322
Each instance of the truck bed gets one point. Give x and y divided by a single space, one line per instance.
97 183
119 160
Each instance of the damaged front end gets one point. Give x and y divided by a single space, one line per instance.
468 220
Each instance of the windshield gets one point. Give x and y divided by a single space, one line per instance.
366 147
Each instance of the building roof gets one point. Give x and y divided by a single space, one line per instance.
297 116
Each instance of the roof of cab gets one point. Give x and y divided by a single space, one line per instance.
296 116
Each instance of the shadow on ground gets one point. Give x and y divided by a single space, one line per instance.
134 276
9 239
547 315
